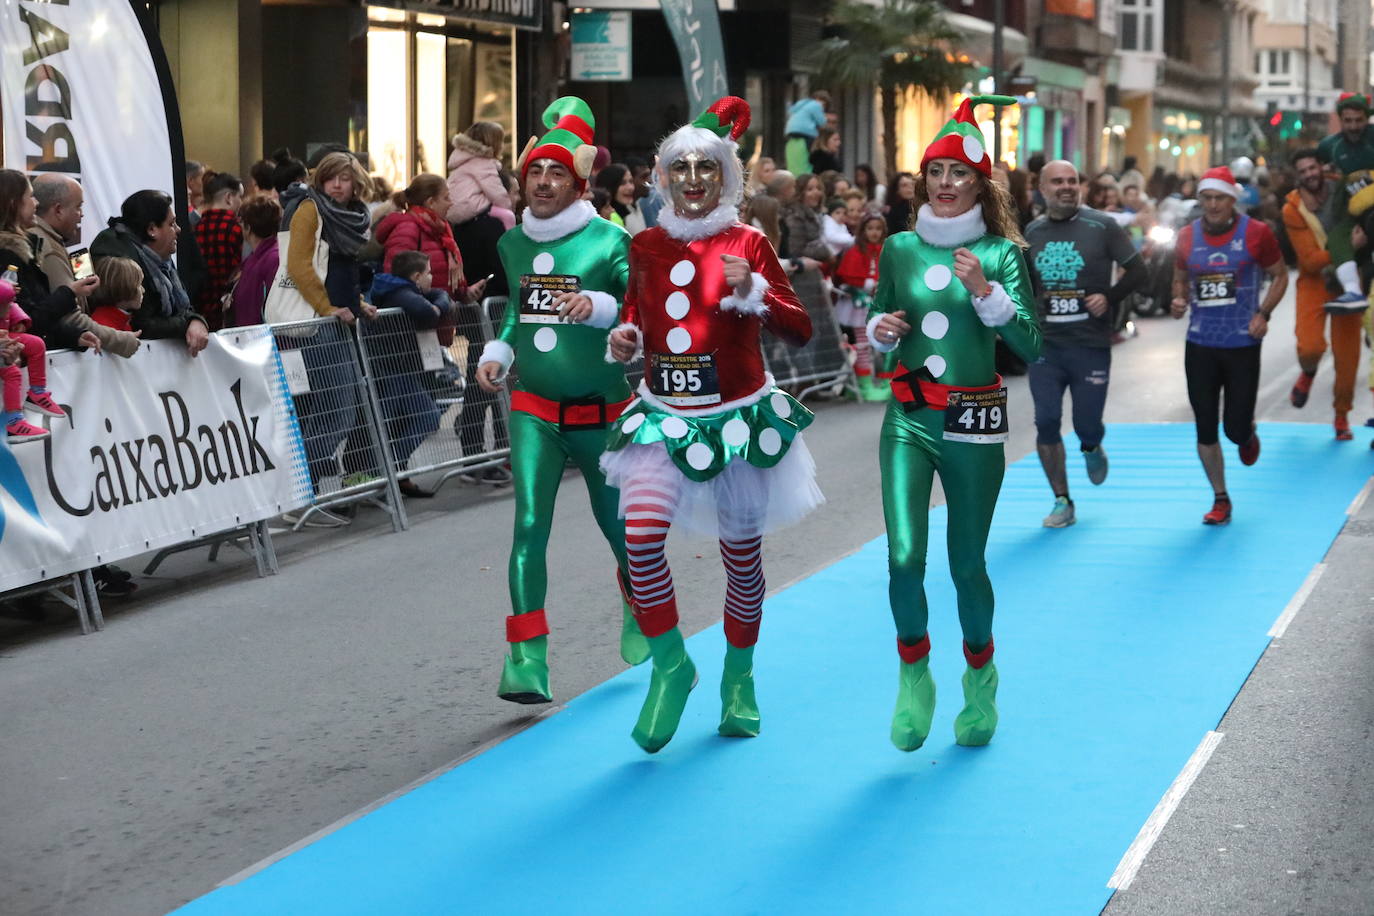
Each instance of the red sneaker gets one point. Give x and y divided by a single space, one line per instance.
1249 452
1220 514
24 431
1343 433
1301 389
44 404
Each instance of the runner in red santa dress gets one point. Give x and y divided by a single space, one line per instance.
710 443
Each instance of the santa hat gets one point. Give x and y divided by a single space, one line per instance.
569 140
1356 100
6 292
962 139
714 133
1218 179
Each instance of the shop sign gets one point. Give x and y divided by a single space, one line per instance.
601 45
1080 9
523 14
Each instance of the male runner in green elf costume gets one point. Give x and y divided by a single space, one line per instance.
946 291
567 269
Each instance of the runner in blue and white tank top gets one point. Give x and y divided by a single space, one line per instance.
1222 260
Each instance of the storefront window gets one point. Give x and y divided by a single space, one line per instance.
429 77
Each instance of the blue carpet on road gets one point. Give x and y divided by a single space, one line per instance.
1121 641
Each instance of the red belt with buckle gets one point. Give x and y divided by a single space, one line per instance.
935 395
581 413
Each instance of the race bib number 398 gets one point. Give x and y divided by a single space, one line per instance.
684 379
1062 305
537 293
977 416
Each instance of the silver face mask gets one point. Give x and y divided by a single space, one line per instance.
695 183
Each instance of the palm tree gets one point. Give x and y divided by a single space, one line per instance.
891 44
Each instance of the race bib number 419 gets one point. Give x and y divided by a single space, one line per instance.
684 379
537 293
977 416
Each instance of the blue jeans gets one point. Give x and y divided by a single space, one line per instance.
1084 371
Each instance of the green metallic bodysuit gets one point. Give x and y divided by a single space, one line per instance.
947 335
562 374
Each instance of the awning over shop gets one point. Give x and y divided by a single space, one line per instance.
978 40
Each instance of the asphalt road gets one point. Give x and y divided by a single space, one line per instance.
220 718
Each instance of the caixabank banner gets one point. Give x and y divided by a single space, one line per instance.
156 450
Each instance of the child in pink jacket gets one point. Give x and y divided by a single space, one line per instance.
14 323
474 178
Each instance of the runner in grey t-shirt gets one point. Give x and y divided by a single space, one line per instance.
1073 254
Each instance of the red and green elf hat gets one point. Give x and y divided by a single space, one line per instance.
726 116
1356 100
569 140
962 139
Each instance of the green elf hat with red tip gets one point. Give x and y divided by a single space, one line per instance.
728 116
1356 100
569 140
962 139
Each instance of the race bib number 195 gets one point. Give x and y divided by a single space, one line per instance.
977 416
684 379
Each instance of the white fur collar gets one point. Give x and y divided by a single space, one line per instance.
690 230
563 223
950 231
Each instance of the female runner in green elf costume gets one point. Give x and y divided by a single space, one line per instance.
567 269
946 291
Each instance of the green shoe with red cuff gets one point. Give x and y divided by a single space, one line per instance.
915 696
525 674
673 679
977 721
739 710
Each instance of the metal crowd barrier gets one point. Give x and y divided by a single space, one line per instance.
336 406
819 365
438 422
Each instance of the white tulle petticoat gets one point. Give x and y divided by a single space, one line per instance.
764 499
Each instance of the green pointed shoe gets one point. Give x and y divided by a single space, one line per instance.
525 675
634 648
871 389
673 679
976 722
915 705
739 711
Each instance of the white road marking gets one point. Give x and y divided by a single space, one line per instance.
1299 599
1130 863
1358 502
347 819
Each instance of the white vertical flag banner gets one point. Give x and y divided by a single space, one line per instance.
81 96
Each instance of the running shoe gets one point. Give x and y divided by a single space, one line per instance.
1062 514
1347 303
42 402
1343 433
1096 463
1220 514
1301 389
1249 452
23 431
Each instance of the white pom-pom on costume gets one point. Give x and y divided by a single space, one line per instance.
498 351
639 342
605 310
996 308
874 341
751 304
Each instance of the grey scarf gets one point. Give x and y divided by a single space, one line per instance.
344 227
163 274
